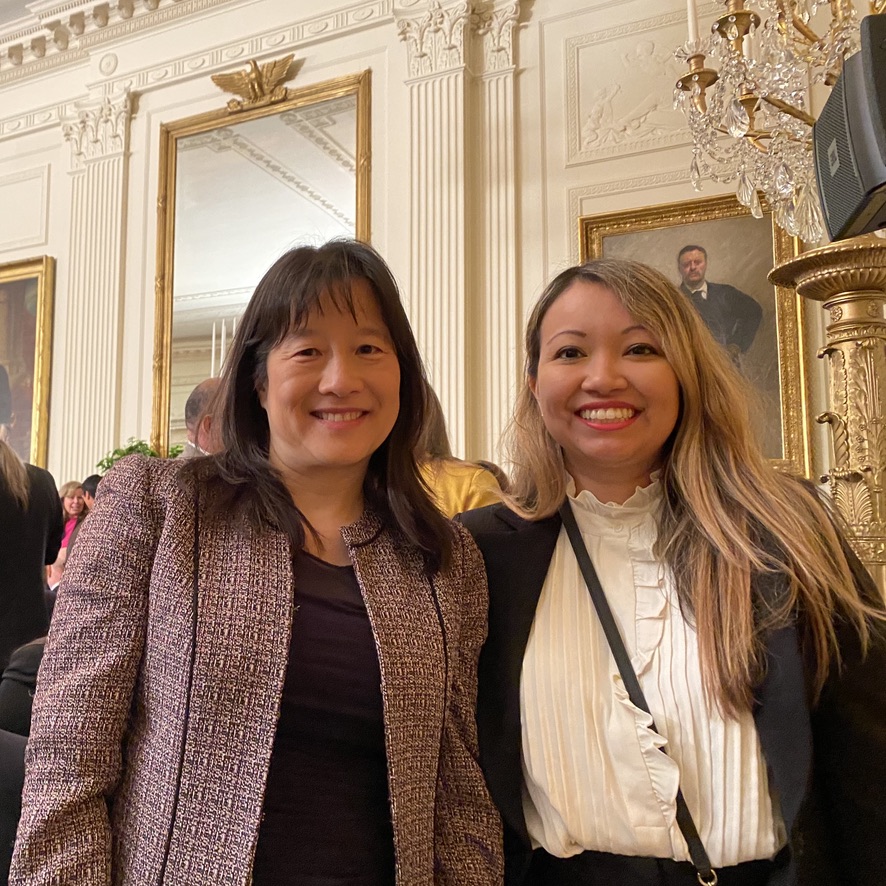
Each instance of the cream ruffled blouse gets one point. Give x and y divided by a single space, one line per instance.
594 775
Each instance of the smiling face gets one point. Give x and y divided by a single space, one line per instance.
73 503
332 391
606 393
693 266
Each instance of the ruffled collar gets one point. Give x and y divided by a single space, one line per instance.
645 500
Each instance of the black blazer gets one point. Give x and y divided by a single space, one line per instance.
30 541
826 763
732 316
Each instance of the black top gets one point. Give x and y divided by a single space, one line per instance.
30 541
327 818
17 687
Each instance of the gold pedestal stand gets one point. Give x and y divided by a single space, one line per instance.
849 278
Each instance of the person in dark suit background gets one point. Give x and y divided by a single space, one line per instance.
732 316
31 527
758 638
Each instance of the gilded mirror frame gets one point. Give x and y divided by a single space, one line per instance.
171 133
27 329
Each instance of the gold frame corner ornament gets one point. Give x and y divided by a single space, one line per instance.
275 102
43 269
789 307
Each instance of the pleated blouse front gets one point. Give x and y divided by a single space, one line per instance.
594 775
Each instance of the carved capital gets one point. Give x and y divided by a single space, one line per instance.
435 42
495 27
98 132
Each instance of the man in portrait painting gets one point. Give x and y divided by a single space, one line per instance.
731 315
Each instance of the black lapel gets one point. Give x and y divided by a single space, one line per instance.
517 555
782 710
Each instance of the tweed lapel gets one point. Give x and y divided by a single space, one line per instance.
244 617
517 554
409 635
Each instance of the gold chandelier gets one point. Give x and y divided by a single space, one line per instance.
748 107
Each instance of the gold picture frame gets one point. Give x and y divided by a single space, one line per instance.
281 103
741 251
26 304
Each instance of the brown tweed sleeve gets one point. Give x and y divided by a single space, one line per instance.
86 685
468 837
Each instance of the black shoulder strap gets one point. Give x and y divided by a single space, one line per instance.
707 876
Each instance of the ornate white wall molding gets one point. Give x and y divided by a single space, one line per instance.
99 140
435 42
99 132
576 197
25 198
495 235
463 245
495 27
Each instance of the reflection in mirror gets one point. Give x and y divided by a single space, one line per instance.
240 189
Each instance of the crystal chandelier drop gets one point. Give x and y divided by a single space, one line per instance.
749 111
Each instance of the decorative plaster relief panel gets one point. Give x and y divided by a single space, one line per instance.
25 196
620 87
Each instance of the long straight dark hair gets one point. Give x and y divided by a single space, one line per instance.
240 478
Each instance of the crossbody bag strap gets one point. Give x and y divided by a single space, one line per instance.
707 876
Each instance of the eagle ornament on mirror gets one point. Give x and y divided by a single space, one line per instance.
258 85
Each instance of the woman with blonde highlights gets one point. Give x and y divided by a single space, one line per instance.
752 749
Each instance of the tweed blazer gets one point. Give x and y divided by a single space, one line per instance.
158 697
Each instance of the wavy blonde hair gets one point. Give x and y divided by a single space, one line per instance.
727 512
13 471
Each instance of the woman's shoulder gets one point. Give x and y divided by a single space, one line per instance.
497 518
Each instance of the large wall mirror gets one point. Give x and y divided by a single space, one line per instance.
237 189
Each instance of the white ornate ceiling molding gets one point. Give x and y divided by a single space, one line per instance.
435 41
99 132
302 33
62 33
312 123
495 27
99 24
229 140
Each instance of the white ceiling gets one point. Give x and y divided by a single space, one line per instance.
10 10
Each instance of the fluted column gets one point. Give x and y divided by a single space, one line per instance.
89 419
435 43
497 345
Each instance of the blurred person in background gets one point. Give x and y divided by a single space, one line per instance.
457 485
199 416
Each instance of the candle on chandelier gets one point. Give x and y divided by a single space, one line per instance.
692 17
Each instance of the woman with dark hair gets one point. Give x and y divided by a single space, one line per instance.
262 665
683 681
